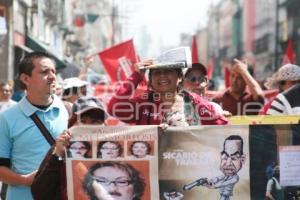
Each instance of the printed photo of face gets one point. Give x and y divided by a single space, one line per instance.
109 150
232 158
140 149
79 149
111 180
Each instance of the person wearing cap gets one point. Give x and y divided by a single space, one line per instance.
287 76
162 103
74 88
50 180
245 96
195 80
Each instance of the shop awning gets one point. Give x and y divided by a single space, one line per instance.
38 46
24 48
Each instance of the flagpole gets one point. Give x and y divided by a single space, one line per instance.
276 35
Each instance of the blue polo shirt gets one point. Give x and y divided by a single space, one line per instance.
22 142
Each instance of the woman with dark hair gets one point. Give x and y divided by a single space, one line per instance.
162 103
50 180
79 149
109 150
128 184
140 149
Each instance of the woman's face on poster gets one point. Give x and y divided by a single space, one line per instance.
78 150
109 150
112 183
139 149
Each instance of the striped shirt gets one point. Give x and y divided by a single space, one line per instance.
286 103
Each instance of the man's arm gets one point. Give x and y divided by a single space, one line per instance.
252 84
269 189
219 181
10 177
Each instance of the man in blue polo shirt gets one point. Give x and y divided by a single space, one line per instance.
22 145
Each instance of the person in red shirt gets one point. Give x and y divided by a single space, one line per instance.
245 96
162 103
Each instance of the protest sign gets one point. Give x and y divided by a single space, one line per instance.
110 162
198 167
289 157
196 162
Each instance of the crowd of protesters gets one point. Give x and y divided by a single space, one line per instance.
174 97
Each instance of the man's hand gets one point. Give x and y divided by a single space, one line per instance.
141 67
62 141
28 178
240 67
88 60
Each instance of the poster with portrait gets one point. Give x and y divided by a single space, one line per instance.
204 162
112 163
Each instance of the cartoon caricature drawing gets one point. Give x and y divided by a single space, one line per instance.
232 160
173 195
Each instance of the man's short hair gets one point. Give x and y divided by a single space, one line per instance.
137 180
235 137
26 65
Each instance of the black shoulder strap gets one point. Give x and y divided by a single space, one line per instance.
43 129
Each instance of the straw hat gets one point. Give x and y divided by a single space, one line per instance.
288 72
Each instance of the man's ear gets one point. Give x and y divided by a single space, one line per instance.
243 158
24 79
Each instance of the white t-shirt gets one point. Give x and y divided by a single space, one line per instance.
6 104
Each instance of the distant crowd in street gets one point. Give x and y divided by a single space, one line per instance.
34 131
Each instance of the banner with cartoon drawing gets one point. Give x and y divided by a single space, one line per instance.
112 163
210 162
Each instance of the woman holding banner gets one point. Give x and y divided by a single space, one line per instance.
50 180
162 103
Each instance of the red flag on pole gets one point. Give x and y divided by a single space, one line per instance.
118 60
194 50
226 70
79 21
289 54
227 76
210 68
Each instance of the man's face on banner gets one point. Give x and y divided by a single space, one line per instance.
112 183
231 158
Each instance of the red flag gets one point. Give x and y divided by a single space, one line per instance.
194 50
289 54
79 21
210 68
118 60
227 77
226 70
